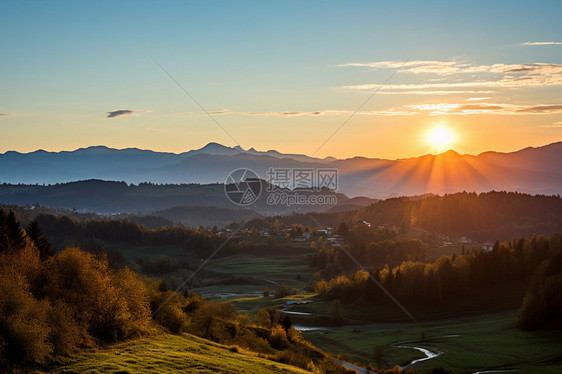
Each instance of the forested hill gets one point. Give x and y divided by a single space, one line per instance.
101 196
484 217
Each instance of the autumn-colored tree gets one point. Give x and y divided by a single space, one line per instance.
262 318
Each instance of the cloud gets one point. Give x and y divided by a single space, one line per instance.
496 76
427 108
125 112
508 81
7 114
274 114
217 112
554 125
543 109
477 98
449 92
420 86
486 108
293 113
417 66
453 67
542 43
316 113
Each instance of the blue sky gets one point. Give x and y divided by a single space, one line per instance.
265 68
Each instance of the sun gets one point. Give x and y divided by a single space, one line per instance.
440 138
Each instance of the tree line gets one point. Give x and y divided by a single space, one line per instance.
64 231
483 217
452 278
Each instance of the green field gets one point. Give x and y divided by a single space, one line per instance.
166 353
290 269
131 252
490 342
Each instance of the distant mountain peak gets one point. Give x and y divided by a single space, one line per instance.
213 145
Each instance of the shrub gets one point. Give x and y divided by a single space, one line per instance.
209 321
263 319
109 304
171 317
283 291
23 324
66 334
254 343
278 338
157 265
293 358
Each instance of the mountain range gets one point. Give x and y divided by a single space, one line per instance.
531 170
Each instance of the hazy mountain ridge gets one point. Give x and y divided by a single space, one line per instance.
191 202
531 170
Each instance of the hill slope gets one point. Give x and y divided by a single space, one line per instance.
168 353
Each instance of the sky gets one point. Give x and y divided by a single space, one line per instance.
323 78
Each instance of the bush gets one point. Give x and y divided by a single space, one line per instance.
209 321
293 358
23 324
171 317
283 291
254 343
278 338
110 304
157 265
66 334
263 319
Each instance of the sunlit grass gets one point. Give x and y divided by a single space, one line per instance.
166 353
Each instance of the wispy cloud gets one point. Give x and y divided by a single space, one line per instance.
7 114
315 113
125 112
543 109
427 108
274 114
457 67
496 76
542 43
416 66
486 108
477 98
554 125
218 112
435 92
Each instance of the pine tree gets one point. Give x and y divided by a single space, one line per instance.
4 240
16 235
36 235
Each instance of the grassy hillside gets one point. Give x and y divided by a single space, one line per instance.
166 353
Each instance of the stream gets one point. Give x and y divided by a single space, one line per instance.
428 354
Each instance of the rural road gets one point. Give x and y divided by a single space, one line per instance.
354 367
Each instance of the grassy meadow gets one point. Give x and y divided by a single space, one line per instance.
167 353
468 345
